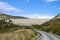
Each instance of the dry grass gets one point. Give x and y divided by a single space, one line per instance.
22 34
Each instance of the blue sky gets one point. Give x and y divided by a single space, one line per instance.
34 9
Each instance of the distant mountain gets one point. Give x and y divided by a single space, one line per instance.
13 17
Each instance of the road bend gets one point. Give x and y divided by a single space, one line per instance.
47 36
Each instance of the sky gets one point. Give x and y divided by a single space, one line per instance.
34 9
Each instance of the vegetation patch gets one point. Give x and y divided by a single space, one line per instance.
22 34
10 31
52 26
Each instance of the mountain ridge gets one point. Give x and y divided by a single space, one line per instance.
13 17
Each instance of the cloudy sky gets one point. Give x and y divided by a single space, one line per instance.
34 9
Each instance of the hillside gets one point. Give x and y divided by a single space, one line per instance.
13 17
52 26
10 31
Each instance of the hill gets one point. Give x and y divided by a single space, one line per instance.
52 26
10 31
13 17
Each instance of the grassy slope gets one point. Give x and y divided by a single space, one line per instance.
22 34
52 26
15 32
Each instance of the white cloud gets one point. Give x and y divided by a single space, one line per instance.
38 16
50 1
8 8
